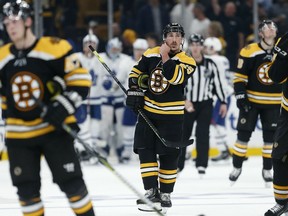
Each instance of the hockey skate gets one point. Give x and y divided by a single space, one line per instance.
278 210
165 202
201 171
267 176
234 175
224 155
153 195
87 158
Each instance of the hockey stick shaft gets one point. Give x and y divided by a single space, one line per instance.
148 121
103 161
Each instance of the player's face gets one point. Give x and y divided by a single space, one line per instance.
269 31
15 28
138 53
174 40
196 49
86 49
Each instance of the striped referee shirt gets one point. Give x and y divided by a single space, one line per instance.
205 83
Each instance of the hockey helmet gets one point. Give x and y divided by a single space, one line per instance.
91 38
265 23
213 43
196 38
17 10
114 48
140 44
173 27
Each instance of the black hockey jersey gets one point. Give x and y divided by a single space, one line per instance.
250 77
164 98
278 72
24 75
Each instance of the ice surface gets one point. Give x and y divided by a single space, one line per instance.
210 196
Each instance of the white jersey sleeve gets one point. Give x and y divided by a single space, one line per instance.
94 66
119 67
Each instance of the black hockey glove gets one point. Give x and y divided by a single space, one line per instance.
242 101
135 99
60 107
281 47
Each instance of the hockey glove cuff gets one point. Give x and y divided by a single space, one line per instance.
135 99
281 47
143 81
56 86
242 101
60 107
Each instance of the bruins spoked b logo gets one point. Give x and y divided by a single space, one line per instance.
262 76
26 89
158 84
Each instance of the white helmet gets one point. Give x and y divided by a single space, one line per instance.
140 44
91 38
114 48
213 43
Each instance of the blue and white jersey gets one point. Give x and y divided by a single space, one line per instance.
95 68
121 68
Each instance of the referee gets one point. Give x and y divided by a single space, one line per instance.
201 87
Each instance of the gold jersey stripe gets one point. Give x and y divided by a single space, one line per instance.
148 165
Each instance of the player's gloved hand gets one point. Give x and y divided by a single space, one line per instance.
56 86
60 107
135 99
242 101
281 47
143 80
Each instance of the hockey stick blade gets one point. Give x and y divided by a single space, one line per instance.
167 143
181 144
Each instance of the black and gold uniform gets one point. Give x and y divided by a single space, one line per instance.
24 76
278 73
164 99
164 106
264 97
42 84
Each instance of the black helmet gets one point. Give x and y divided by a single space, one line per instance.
197 38
18 9
267 22
173 27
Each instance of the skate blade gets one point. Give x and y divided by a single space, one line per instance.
232 183
164 210
268 185
147 208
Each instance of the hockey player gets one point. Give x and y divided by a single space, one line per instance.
88 114
156 85
212 48
113 97
129 118
27 65
278 73
201 87
257 96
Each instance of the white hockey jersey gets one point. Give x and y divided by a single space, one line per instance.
121 68
95 68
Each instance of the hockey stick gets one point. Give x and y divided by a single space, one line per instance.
167 143
102 160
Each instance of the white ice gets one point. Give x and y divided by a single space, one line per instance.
210 196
